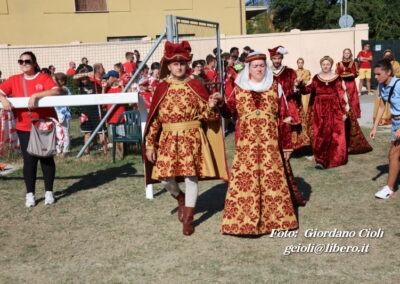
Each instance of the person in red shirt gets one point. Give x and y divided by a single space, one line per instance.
211 74
230 76
129 65
72 69
111 85
38 85
123 76
144 73
145 92
365 59
155 76
209 70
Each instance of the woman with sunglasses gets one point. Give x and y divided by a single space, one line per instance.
35 85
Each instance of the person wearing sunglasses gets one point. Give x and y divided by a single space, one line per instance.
35 85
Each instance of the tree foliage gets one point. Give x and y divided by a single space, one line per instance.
382 16
260 24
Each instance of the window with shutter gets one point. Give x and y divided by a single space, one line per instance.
90 5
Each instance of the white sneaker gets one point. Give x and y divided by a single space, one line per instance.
385 193
30 200
48 198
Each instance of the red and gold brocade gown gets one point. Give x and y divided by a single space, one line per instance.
181 151
258 198
347 70
330 142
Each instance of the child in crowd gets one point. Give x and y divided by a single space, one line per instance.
155 76
90 114
145 92
211 73
111 85
130 64
144 73
123 76
64 117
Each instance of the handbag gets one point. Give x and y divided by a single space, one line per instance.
42 143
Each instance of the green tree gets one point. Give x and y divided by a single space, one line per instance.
381 15
260 24
304 14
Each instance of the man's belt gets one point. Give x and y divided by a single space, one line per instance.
396 117
259 113
181 125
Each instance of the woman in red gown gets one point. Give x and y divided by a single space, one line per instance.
327 116
347 70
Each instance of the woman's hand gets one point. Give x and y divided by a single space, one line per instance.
287 155
218 98
397 134
120 83
104 84
372 133
298 81
344 117
32 103
151 155
7 105
212 102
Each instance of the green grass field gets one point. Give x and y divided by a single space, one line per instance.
103 230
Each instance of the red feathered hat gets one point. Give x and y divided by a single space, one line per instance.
174 52
279 50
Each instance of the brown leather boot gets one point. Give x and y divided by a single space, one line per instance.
181 204
188 228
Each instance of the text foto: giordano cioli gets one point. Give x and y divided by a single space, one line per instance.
335 233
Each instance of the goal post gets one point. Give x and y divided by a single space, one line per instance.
176 28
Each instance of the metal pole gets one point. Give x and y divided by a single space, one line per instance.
221 75
197 20
176 31
152 50
170 29
345 7
341 8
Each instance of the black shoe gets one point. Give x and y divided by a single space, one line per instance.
97 147
319 166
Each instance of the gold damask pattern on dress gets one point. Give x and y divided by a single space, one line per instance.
258 198
181 152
